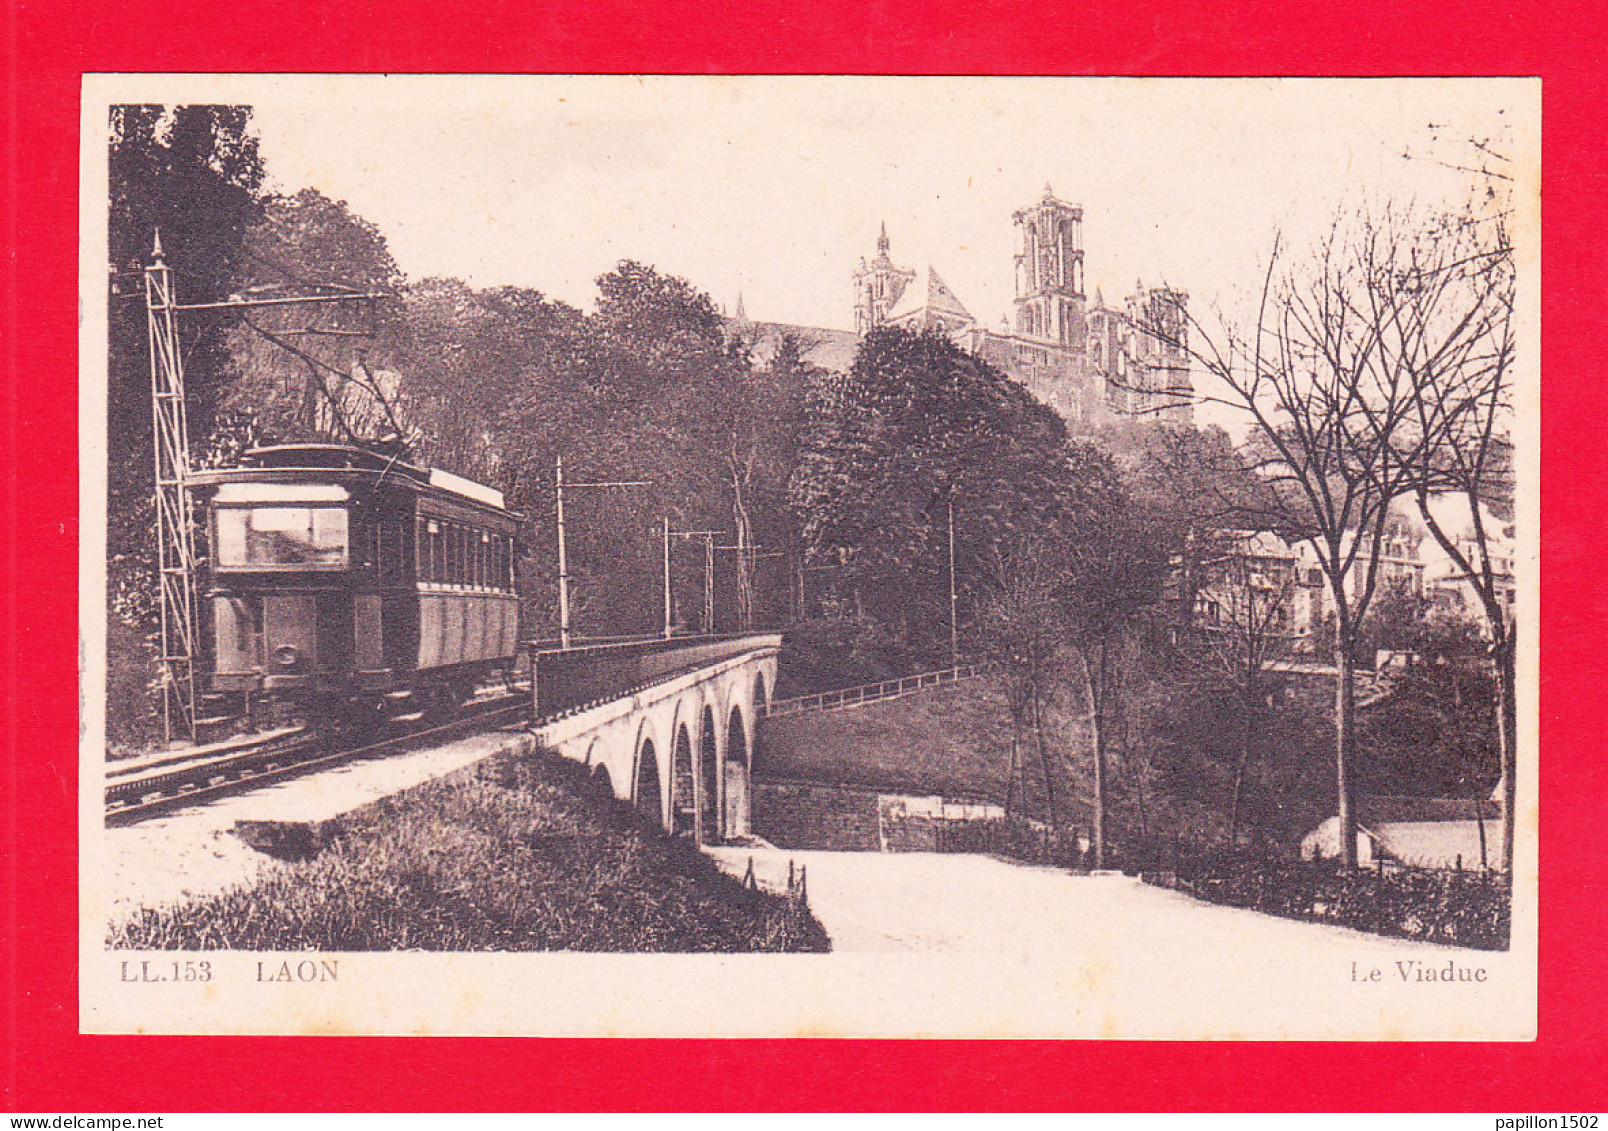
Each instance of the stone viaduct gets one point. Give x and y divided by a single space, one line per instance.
678 744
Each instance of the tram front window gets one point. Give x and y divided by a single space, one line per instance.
281 536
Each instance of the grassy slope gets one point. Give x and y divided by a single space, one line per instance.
512 855
953 741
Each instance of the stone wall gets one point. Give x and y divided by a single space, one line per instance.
801 815
834 818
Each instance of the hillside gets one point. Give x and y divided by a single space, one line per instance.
516 853
953 741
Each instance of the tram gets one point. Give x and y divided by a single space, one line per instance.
341 577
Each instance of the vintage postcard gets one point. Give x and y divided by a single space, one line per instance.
809 556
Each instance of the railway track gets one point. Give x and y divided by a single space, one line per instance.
152 787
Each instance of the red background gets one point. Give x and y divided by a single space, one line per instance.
48 1067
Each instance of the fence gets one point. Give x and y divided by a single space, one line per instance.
873 692
799 930
1013 838
1457 906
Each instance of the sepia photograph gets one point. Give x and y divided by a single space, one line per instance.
815 556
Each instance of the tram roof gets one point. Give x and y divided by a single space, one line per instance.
347 457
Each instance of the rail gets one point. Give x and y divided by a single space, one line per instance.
875 692
133 795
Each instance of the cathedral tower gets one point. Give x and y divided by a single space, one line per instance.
878 285
1049 271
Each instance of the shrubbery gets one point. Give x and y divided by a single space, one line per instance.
513 856
1454 907
1012 839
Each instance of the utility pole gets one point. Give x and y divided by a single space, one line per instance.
709 585
175 545
668 628
954 627
563 559
563 552
708 537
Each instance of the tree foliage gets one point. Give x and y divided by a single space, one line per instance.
313 372
192 174
917 427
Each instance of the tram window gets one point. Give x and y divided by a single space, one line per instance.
281 536
433 552
482 562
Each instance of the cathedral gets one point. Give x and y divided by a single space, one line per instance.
1091 363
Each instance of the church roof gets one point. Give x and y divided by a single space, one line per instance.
935 298
818 345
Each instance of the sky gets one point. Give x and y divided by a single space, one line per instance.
775 188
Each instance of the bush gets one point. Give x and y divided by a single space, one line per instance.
827 655
133 715
513 855
1012 839
1458 908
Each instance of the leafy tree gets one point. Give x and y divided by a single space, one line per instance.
191 173
487 376
1117 559
1024 629
1201 758
916 428
322 371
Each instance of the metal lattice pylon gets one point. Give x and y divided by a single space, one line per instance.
175 540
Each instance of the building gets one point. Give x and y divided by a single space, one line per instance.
1449 590
1090 363
1253 585
1401 563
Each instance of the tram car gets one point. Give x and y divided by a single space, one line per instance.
339 576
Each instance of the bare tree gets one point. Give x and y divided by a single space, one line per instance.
1024 627
1327 376
1249 590
1453 321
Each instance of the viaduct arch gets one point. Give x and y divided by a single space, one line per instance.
681 749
